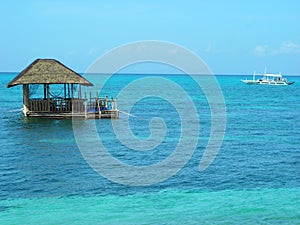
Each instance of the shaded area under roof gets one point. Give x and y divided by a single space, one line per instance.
48 71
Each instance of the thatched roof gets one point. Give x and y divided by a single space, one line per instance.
48 71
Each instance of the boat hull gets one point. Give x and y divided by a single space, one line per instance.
258 82
269 79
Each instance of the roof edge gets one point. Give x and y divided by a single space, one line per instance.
12 82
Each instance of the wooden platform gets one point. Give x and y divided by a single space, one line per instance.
41 80
105 114
93 108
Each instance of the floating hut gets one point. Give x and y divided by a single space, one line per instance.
48 75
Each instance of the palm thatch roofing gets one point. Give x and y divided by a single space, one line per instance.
48 71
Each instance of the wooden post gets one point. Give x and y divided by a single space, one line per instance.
116 102
60 106
48 91
91 104
79 91
85 108
48 97
65 91
34 106
45 91
68 90
98 105
85 101
97 101
72 90
25 99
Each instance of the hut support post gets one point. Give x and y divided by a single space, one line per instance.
72 90
25 98
99 111
65 91
85 108
68 90
97 101
79 91
45 91
90 99
48 97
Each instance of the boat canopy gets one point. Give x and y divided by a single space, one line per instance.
272 75
269 75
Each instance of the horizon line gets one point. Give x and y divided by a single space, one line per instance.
141 73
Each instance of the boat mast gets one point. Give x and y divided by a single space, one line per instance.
265 74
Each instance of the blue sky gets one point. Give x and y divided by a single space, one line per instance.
232 37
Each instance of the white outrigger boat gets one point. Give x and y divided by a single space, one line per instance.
268 79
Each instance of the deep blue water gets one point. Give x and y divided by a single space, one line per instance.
255 177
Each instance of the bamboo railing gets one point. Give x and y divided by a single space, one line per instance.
95 107
57 105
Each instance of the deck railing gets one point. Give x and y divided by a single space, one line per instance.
96 107
57 105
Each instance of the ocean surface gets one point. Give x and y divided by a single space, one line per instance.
254 179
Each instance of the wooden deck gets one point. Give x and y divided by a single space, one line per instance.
97 108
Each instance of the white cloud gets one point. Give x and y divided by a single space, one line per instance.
93 51
289 47
286 47
260 50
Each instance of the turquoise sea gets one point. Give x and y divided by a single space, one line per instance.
254 179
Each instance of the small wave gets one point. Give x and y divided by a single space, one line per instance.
15 110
